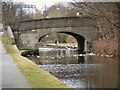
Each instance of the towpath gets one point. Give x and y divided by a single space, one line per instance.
9 73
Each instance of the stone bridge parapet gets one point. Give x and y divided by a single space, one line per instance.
57 22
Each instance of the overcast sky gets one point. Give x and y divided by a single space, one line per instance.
41 3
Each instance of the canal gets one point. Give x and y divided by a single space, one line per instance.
77 70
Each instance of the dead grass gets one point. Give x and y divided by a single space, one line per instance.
106 46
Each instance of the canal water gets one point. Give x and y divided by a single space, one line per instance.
78 71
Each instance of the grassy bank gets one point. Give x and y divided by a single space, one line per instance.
36 77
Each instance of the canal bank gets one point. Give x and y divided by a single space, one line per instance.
36 77
88 74
77 71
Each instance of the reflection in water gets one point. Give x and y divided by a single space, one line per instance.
58 56
81 59
78 71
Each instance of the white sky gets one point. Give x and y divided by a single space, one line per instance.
41 3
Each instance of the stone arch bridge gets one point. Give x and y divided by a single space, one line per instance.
29 33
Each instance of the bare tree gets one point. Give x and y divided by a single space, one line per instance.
105 14
14 12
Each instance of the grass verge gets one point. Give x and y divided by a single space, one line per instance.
36 77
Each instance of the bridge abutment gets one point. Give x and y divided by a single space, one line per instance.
88 47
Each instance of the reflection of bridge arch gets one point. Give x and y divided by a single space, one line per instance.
80 39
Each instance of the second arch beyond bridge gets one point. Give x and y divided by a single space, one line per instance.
80 40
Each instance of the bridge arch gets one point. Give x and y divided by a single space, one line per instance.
80 40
